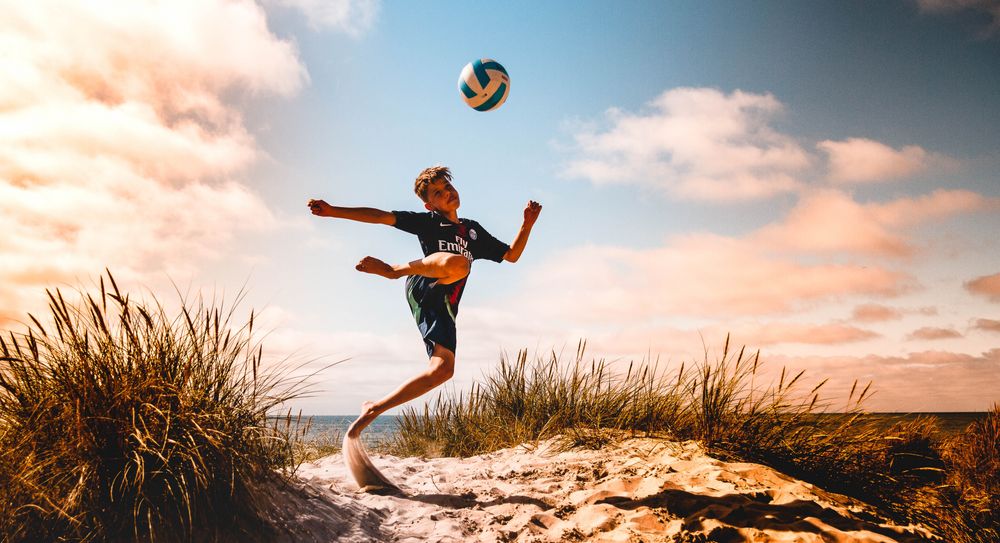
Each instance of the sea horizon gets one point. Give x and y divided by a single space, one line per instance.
385 426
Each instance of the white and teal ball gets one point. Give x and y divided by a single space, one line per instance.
484 84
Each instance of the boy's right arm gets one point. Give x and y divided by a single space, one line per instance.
360 214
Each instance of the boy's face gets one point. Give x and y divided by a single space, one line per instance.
442 197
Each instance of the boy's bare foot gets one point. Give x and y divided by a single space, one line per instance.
370 264
367 417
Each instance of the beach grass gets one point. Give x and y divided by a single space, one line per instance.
908 471
119 422
971 483
312 447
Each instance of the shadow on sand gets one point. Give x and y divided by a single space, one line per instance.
755 511
469 500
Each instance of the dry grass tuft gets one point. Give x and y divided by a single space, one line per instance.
971 489
121 423
524 402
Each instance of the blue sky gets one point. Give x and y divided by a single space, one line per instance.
818 179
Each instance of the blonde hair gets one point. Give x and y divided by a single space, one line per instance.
428 176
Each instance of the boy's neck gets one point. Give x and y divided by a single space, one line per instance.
452 216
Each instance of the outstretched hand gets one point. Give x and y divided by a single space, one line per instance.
318 207
531 212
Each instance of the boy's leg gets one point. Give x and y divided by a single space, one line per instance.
447 268
442 367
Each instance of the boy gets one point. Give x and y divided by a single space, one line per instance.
434 284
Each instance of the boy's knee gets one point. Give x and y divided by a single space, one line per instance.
458 265
442 369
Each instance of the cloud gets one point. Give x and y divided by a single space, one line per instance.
933 333
354 17
813 334
987 285
694 143
915 382
703 144
831 221
939 204
696 275
989 8
860 160
988 325
121 137
875 313
955 5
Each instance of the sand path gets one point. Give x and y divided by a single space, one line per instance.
639 490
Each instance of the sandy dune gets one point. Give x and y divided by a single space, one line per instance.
640 490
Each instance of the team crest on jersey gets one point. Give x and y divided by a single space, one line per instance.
473 234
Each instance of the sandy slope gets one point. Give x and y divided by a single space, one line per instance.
640 490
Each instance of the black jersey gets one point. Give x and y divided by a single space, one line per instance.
438 234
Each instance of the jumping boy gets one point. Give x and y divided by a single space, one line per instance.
434 284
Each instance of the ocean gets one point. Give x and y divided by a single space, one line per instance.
332 427
948 423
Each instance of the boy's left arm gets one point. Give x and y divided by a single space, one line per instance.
531 211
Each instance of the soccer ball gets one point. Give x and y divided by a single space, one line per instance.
484 84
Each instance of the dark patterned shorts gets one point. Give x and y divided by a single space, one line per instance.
433 311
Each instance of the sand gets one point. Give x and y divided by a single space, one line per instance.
638 490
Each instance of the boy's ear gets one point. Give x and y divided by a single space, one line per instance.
428 206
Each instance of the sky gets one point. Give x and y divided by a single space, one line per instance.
818 181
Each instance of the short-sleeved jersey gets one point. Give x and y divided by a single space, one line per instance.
438 234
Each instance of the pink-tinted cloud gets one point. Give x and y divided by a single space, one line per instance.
933 333
860 160
920 381
811 334
694 143
831 221
826 221
989 325
939 204
122 140
987 285
875 313
697 275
